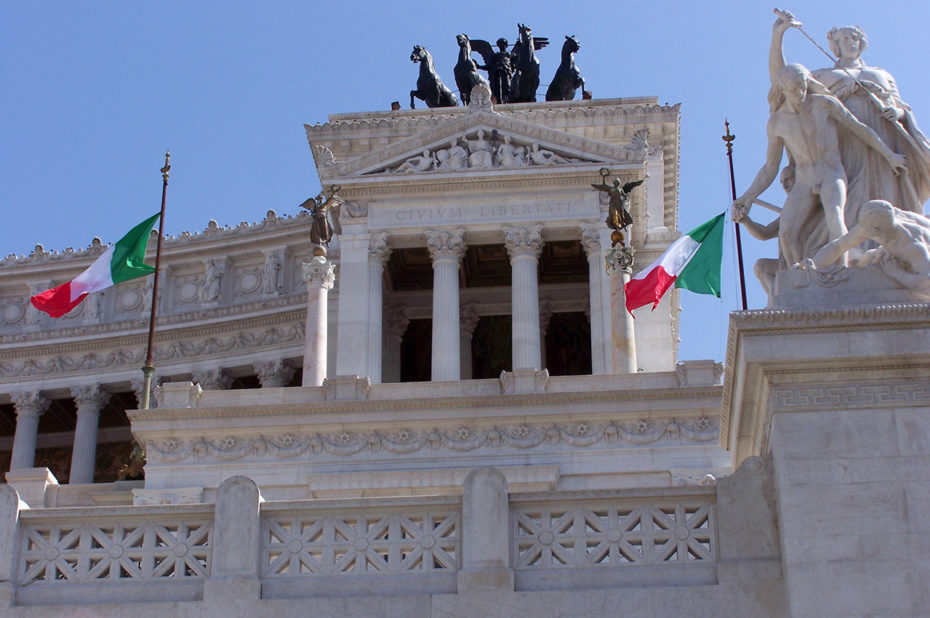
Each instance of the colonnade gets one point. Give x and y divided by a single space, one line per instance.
91 399
364 341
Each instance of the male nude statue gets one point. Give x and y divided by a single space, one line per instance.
804 120
904 244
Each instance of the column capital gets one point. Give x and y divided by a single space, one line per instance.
468 319
30 404
319 272
273 373
89 397
523 241
379 252
396 320
446 244
545 315
591 239
212 379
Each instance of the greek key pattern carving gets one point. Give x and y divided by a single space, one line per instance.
613 534
84 552
864 395
579 434
362 542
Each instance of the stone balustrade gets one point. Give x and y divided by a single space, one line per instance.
241 546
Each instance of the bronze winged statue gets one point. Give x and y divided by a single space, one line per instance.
499 66
325 213
618 215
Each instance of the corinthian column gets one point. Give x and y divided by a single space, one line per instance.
524 244
29 407
623 348
378 254
320 276
599 291
446 248
469 320
89 400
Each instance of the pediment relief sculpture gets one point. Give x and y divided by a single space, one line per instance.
482 150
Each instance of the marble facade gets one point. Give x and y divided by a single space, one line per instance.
796 486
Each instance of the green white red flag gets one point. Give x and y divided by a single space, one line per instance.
122 261
692 262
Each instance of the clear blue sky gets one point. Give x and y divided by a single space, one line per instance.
92 93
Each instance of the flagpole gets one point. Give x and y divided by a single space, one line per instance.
728 138
149 367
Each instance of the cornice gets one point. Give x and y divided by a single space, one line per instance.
94 333
277 331
212 233
418 120
320 407
466 124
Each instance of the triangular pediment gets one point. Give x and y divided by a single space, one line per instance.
483 141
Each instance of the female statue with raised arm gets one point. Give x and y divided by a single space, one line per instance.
871 95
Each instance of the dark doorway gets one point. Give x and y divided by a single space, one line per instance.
491 346
568 344
416 352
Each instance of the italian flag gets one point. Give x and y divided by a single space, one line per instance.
692 262
121 262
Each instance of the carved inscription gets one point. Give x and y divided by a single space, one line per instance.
386 216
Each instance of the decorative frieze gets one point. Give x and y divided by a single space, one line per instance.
522 436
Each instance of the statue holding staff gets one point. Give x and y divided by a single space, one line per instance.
871 95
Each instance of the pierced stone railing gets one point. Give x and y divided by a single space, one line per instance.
602 539
242 547
78 553
314 547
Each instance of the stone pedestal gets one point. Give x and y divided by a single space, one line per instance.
840 400
320 277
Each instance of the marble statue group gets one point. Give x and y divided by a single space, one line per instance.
858 169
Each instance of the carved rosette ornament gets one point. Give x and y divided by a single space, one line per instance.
523 241
319 272
446 245
31 404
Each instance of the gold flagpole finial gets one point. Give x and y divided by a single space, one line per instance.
729 137
164 170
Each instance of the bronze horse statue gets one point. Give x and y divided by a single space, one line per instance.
526 66
567 77
430 88
466 70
